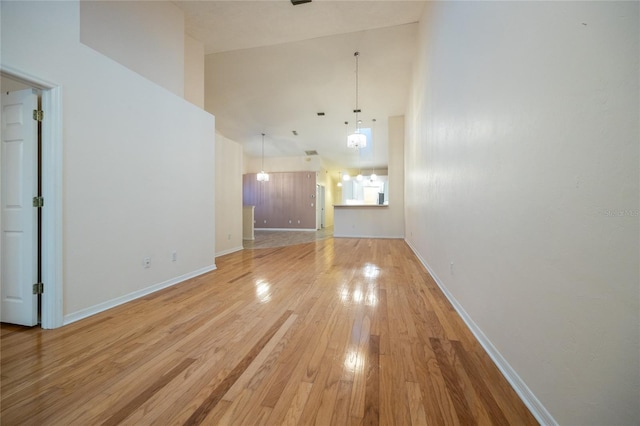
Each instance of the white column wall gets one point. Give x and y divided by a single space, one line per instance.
138 164
522 189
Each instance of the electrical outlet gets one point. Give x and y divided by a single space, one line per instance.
174 256
146 262
451 268
228 236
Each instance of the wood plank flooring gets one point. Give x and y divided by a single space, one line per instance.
270 239
331 332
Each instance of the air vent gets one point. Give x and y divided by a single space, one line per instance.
313 152
320 114
297 2
295 133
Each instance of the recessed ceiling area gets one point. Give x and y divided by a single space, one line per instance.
272 67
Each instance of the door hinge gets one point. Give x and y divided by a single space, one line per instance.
38 288
38 202
38 114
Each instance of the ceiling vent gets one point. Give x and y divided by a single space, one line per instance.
320 114
314 152
297 2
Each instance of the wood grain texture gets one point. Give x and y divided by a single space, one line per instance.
333 331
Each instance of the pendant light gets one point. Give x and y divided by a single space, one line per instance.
262 176
357 140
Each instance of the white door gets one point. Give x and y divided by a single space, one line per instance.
321 201
319 207
19 218
318 212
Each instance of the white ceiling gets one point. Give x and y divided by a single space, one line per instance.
271 66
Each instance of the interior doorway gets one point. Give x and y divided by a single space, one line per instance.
48 238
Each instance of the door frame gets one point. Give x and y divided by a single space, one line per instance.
52 277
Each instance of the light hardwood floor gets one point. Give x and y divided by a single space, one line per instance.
269 239
336 331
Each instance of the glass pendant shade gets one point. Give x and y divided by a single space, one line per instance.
357 140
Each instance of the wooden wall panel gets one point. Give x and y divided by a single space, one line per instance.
283 202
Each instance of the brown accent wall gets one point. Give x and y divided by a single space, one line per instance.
286 201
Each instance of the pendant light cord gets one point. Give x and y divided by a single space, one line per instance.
263 152
357 54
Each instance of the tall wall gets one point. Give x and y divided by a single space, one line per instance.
146 37
228 195
138 162
194 71
522 193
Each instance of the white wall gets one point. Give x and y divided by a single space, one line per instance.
138 163
228 195
144 36
522 169
282 164
379 222
194 71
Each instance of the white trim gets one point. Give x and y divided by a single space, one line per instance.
52 267
526 395
52 303
229 251
26 78
286 229
387 237
101 307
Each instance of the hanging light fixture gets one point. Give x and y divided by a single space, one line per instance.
357 140
340 179
262 176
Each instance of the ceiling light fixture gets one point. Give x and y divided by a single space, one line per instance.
357 140
262 176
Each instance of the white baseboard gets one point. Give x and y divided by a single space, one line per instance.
287 229
101 307
535 406
229 251
387 237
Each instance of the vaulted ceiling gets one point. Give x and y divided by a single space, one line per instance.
272 67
